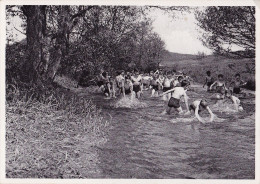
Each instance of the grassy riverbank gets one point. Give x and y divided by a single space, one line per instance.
53 137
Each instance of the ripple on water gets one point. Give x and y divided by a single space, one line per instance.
146 144
128 102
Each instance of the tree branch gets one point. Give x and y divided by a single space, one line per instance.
19 30
82 12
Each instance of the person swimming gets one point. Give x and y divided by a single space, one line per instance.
209 80
199 105
176 94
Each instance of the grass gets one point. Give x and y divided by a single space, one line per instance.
196 68
53 137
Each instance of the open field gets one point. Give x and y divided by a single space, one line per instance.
196 68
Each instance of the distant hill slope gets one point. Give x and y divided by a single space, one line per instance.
170 57
197 67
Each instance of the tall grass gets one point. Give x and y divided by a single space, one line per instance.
53 136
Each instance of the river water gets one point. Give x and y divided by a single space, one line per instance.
143 143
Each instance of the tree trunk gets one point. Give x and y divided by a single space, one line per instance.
62 42
35 32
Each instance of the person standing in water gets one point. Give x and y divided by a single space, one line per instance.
105 79
220 84
199 105
101 79
209 80
128 86
177 83
137 82
176 94
167 85
146 81
120 80
237 84
110 84
155 85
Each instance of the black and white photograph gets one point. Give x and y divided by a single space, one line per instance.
98 91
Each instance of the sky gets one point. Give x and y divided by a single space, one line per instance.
180 34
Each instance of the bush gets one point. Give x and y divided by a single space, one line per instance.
200 55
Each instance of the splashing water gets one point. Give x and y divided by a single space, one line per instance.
194 119
222 106
129 102
145 143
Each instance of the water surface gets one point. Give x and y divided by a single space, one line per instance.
142 143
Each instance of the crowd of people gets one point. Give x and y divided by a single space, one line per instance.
172 87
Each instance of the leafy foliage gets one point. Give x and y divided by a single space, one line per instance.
75 40
226 27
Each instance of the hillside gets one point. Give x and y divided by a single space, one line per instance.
170 57
197 67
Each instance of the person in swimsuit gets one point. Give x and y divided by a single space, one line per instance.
110 84
220 84
105 80
101 80
120 80
199 105
137 82
161 78
176 94
155 86
209 80
151 74
167 85
146 81
177 83
237 84
128 86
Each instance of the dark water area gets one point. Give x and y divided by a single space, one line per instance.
143 143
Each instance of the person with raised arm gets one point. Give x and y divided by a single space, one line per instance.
176 94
